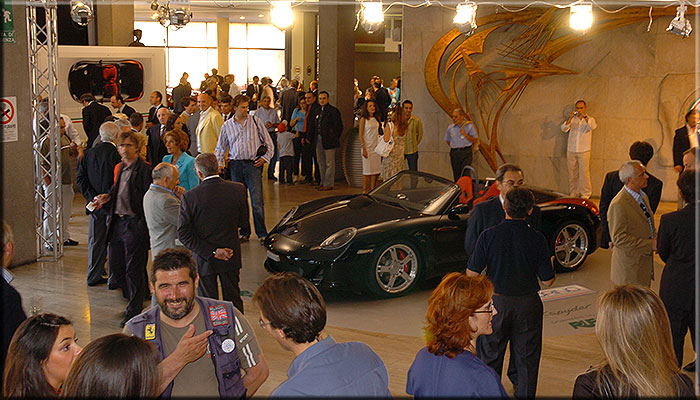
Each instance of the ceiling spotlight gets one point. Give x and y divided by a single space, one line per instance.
680 25
372 16
281 15
261 15
581 16
80 12
154 6
465 19
179 13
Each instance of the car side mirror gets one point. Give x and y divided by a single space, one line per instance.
456 211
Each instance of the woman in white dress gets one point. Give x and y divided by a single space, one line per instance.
369 137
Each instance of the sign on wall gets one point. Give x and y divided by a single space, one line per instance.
7 33
8 119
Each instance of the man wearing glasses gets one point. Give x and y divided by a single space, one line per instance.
516 255
632 231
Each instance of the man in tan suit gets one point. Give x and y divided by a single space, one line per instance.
632 229
209 126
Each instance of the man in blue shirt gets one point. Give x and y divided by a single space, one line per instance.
293 311
460 136
514 256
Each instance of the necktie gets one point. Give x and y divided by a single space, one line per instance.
648 215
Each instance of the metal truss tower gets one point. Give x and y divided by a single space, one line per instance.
43 56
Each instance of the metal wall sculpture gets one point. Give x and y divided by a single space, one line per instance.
496 87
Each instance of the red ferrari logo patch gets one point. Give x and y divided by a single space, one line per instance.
218 315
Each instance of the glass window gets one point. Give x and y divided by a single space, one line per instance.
153 33
238 65
211 35
186 60
212 60
188 35
266 63
237 36
265 36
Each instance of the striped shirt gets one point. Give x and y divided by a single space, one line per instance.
241 140
414 134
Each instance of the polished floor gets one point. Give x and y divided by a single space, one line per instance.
393 328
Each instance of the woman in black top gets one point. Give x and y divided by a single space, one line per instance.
633 330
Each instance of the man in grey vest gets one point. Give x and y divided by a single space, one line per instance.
204 343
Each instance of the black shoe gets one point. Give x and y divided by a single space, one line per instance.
112 286
98 282
690 367
272 178
262 240
244 238
70 242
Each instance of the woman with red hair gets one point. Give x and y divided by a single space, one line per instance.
459 310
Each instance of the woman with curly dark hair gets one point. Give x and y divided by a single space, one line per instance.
41 353
460 310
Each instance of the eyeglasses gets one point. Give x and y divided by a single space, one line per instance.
489 310
263 323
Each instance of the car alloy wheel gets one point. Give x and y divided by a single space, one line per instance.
571 245
396 269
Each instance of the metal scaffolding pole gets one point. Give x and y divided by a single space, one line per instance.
43 77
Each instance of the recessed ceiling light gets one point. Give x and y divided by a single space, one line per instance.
241 17
261 15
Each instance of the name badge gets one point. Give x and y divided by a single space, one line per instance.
228 345
218 315
150 332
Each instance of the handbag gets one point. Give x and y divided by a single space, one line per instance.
383 148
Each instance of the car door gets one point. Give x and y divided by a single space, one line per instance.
448 239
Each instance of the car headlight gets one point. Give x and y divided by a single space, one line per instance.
339 239
288 216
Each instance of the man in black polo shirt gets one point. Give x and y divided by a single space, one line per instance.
514 255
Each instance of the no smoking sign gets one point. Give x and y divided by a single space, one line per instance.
8 119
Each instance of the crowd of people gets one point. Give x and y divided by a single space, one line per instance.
170 181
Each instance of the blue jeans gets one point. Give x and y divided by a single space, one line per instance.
412 161
245 172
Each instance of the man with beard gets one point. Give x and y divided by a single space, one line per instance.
197 339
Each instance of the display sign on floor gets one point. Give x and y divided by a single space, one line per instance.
568 310
8 119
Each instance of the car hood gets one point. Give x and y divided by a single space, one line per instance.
360 211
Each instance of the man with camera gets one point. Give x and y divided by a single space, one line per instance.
249 147
579 126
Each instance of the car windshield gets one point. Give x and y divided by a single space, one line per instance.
416 191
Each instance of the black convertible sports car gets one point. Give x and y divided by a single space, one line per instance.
408 229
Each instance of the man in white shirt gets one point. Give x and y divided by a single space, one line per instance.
233 90
579 126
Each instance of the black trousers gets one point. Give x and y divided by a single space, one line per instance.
97 246
519 321
128 256
459 158
208 287
681 321
286 169
309 164
296 142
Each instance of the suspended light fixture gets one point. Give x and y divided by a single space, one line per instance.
80 12
680 25
465 19
372 16
581 16
179 13
281 14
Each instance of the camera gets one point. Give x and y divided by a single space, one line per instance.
575 112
